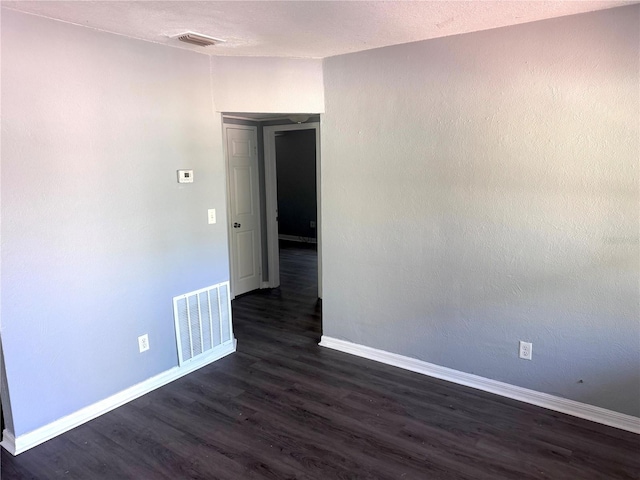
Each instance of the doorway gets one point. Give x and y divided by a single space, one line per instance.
267 126
298 223
296 180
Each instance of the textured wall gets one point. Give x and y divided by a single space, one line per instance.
483 189
267 84
97 235
296 171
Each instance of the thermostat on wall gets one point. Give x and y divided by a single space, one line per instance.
185 176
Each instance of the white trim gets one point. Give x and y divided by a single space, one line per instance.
24 442
271 205
552 402
296 238
271 194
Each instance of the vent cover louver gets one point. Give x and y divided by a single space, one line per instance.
203 321
198 39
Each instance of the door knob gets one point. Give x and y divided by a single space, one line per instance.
236 225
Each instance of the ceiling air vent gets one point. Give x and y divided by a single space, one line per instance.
198 39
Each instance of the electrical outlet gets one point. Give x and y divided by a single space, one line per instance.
312 224
526 349
143 342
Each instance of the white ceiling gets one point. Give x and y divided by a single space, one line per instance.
309 29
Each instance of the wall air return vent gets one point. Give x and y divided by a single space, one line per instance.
198 39
203 322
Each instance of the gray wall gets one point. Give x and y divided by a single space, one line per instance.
97 235
483 189
296 172
267 84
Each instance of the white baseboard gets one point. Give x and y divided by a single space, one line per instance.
17 445
295 238
552 402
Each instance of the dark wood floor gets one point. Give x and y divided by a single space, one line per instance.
283 408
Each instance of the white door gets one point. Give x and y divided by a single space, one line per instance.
244 208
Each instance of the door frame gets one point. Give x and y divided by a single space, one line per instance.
232 274
271 194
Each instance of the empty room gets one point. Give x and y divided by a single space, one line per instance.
320 239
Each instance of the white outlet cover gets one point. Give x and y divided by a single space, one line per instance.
526 350
143 342
211 216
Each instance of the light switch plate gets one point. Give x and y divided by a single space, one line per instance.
212 216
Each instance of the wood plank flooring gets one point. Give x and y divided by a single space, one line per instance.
283 408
